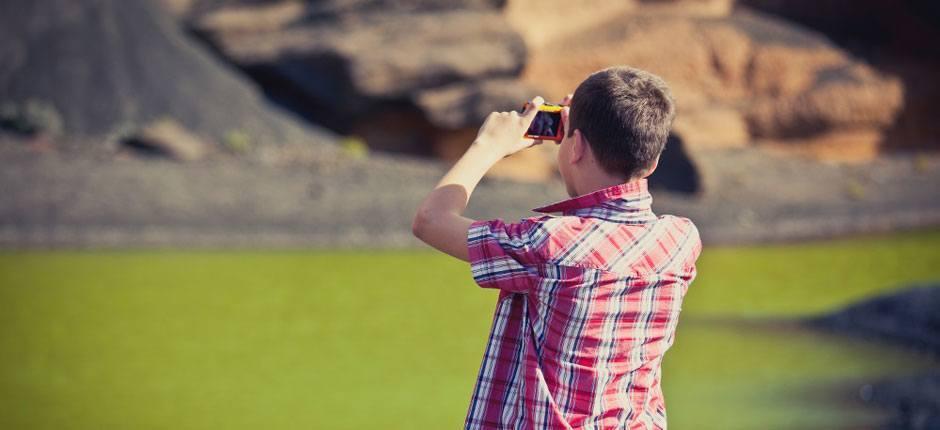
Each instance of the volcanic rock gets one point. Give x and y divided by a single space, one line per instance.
898 37
353 61
908 317
775 80
463 105
107 67
169 139
842 97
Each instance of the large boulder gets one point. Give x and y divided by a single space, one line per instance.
466 104
412 76
358 58
457 110
896 36
738 78
332 8
847 96
105 68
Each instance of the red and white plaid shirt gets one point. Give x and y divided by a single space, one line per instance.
588 305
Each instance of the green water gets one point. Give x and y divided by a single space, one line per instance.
350 340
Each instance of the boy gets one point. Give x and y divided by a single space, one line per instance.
589 300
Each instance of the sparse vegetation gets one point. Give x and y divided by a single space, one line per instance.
32 117
856 190
237 141
921 163
354 147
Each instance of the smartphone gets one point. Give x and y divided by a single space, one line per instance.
547 124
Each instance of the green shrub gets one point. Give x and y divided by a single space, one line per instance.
856 190
354 147
237 141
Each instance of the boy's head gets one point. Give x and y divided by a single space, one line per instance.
618 124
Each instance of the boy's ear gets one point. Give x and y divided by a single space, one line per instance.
652 167
579 145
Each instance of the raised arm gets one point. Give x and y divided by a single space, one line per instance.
439 221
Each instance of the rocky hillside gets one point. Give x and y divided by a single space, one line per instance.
324 122
111 75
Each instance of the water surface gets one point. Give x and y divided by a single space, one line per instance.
351 340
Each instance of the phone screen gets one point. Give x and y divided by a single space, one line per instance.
545 124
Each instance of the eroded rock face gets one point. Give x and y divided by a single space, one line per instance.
737 79
354 60
712 127
463 105
106 67
845 97
419 76
896 36
408 76
332 8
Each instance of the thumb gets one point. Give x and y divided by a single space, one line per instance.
533 108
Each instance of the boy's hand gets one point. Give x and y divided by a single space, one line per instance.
502 131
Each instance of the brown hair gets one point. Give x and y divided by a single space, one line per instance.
625 114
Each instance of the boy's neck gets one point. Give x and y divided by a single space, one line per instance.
600 182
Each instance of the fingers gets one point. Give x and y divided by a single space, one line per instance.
532 142
567 100
564 116
532 107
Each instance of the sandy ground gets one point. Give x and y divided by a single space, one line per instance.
67 200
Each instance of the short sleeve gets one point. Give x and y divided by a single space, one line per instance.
694 245
502 255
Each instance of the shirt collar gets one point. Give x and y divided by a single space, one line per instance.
626 202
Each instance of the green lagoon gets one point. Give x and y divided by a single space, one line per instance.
393 339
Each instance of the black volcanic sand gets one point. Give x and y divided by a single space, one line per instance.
70 199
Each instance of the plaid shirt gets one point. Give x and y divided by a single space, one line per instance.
588 305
